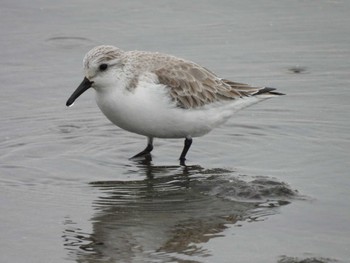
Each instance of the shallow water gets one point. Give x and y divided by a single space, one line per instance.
271 185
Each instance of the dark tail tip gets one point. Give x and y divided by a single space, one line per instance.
267 90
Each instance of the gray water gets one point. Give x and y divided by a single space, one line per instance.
271 185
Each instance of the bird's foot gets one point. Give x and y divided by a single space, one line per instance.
145 152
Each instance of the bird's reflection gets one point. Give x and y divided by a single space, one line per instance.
169 213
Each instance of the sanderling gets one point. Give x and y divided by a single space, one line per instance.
162 96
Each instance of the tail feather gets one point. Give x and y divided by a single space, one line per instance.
267 91
247 90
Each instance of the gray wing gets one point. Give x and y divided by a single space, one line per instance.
193 86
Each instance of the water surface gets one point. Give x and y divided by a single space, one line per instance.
271 185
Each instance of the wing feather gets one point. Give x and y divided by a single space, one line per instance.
190 85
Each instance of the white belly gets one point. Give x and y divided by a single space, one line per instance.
150 113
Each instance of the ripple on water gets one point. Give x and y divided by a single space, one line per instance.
286 259
66 42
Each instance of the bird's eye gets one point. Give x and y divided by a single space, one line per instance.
103 67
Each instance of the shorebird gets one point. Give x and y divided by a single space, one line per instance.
162 96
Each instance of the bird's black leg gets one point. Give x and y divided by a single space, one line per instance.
147 150
187 145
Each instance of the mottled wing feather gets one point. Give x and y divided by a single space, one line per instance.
192 86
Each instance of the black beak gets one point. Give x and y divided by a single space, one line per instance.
86 84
